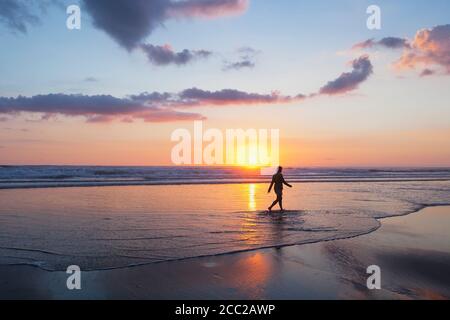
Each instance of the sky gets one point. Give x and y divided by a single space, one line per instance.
113 91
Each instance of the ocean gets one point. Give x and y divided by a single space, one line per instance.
62 176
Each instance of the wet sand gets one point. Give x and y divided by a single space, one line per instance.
412 251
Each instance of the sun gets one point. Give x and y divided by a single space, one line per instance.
251 156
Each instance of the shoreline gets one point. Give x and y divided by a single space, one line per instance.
238 251
218 272
378 219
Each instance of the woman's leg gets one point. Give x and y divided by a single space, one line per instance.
280 201
273 204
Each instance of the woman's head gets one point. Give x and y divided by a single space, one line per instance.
280 168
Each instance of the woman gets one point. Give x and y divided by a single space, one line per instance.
278 181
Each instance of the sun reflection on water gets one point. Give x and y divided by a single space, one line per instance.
251 197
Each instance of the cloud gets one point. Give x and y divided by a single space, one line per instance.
95 108
70 104
207 8
394 43
348 81
238 65
170 116
164 55
17 15
388 42
430 47
127 22
247 58
130 22
90 79
149 107
427 72
198 97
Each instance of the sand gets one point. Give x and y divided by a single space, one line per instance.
412 251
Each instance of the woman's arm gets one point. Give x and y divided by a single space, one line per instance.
271 185
284 181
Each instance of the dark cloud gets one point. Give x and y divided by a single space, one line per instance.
96 108
247 57
388 42
154 97
68 104
362 69
18 15
90 79
198 97
394 43
130 22
239 65
247 51
164 55
149 107
127 22
427 72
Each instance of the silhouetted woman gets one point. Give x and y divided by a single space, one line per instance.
278 181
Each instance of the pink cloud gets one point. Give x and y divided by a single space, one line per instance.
430 47
207 8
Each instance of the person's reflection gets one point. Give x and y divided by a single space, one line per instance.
278 223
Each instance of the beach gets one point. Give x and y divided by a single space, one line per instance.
224 149
216 241
412 251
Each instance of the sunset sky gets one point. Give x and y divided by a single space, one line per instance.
112 92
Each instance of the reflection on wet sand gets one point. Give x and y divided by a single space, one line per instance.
412 252
250 275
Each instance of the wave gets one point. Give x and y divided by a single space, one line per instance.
14 177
